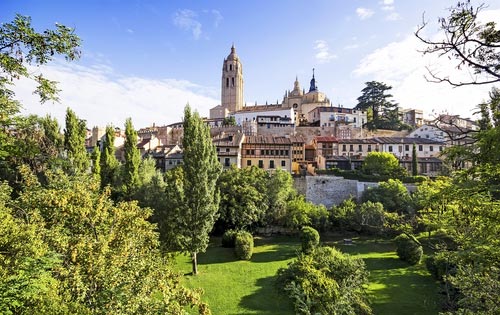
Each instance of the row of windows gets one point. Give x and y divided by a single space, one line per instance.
390 148
267 152
232 82
271 163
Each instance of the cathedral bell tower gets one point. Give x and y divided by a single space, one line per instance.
232 82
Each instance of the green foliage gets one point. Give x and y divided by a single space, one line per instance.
439 266
243 201
84 254
414 163
303 213
279 190
325 282
309 238
243 245
200 197
392 194
383 164
384 112
96 159
408 249
229 121
109 163
74 143
132 161
228 238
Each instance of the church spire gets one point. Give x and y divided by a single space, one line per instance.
313 86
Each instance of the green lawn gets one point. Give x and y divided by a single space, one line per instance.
247 287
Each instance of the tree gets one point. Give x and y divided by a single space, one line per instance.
200 197
229 121
468 41
242 197
326 282
383 110
107 254
382 164
96 159
109 163
392 194
74 143
132 161
279 190
21 46
414 163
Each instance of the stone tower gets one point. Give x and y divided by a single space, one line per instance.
232 82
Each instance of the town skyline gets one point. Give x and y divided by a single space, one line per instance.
125 72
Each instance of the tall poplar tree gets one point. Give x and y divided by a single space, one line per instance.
132 160
201 198
109 163
74 143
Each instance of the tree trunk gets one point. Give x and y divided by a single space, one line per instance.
195 263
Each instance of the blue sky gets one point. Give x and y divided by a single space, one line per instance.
147 59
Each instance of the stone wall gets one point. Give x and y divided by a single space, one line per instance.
330 190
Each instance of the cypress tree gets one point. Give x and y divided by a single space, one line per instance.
132 160
74 143
414 164
109 163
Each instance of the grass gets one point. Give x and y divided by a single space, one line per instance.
247 287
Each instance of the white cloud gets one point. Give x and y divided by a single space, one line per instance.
402 66
217 17
352 46
387 8
323 54
388 2
364 13
100 96
187 20
394 16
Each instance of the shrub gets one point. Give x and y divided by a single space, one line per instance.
439 265
243 245
325 282
408 249
228 238
309 238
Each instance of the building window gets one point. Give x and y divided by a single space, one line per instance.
227 150
351 147
407 147
440 148
248 152
227 82
420 148
283 163
232 81
217 149
390 148
431 148
369 148
344 147
227 162
286 152
360 148
249 162
261 164
230 67
271 164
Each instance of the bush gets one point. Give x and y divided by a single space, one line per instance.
439 266
408 249
243 245
309 238
325 282
228 238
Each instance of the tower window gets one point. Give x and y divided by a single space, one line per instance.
232 81
230 67
227 82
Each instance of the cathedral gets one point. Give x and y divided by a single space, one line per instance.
294 108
